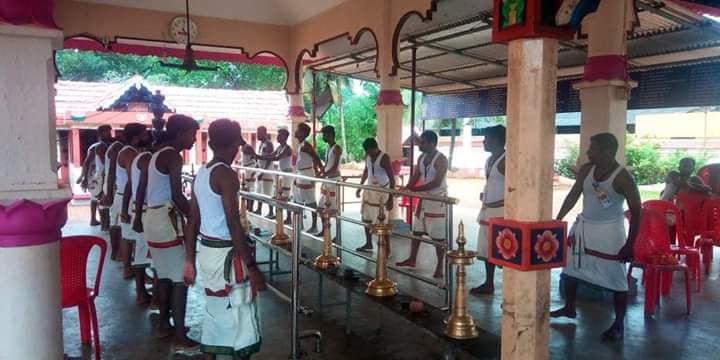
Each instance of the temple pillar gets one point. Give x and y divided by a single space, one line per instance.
32 206
296 114
605 86
532 76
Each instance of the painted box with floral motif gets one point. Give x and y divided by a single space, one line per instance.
527 246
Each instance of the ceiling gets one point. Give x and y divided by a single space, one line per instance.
277 12
454 51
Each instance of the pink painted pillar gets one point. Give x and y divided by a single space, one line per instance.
30 308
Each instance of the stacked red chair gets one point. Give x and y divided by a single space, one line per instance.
74 251
710 236
652 254
681 248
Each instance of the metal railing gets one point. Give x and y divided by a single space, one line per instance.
446 285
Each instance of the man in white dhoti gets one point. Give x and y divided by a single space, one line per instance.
92 177
429 177
249 176
599 248
493 199
264 182
226 258
160 188
283 155
331 171
133 247
308 164
107 202
378 172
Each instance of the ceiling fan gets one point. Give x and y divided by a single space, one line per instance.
188 64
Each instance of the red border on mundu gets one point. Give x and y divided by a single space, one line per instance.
532 26
527 246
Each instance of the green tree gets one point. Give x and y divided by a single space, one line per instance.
111 67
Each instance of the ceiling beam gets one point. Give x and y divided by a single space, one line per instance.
441 77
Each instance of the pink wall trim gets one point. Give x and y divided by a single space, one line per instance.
24 12
27 223
389 97
606 67
296 111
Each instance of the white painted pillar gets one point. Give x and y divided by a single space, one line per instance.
30 313
389 110
605 86
532 76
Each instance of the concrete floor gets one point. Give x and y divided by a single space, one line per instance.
379 334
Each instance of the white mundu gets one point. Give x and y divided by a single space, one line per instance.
162 224
264 181
285 165
430 215
599 234
493 197
230 325
96 174
139 257
373 200
328 191
304 191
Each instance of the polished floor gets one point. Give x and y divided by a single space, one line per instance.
126 330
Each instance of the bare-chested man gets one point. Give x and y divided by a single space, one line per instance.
226 260
92 177
308 164
599 247
160 188
429 177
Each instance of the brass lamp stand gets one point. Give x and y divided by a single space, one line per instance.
381 286
327 260
461 325
279 238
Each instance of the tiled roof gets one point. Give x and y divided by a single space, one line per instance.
251 108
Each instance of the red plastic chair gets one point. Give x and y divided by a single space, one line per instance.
652 254
74 251
691 206
710 236
691 254
711 176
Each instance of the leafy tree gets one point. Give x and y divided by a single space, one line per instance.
111 67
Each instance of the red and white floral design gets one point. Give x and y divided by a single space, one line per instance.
547 246
507 244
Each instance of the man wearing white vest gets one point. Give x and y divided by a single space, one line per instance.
429 177
493 199
283 155
226 259
264 182
93 176
378 172
598 244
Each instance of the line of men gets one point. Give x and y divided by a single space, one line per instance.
147 180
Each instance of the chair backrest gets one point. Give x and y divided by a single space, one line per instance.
691 207
652 238
711 176
74 251
711 215
667 208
